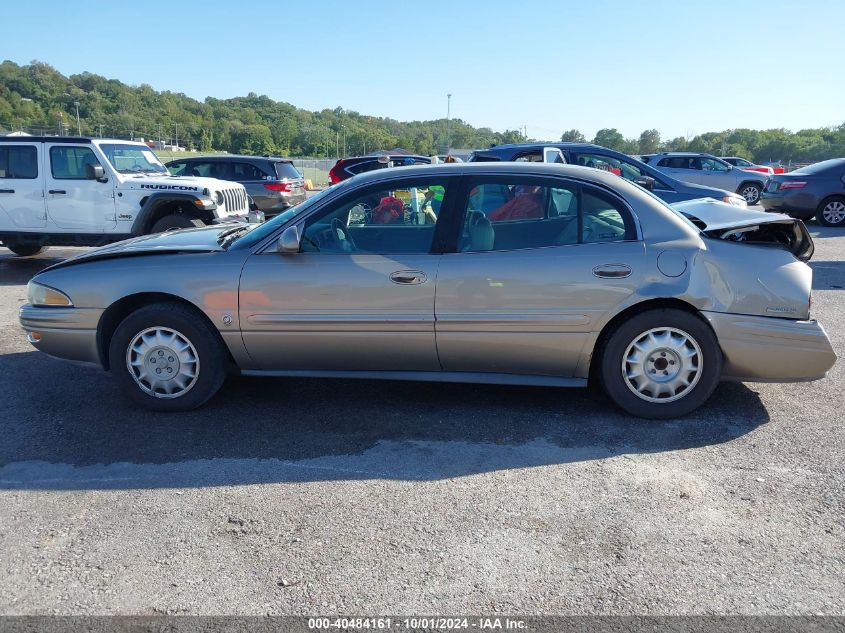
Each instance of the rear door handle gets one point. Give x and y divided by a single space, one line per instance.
7 191
408 277
57 191
612 271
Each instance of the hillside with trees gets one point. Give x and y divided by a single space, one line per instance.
38 99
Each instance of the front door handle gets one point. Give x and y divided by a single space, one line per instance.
7 191
57 191
408 277
612 271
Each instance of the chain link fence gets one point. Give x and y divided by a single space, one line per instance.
315 169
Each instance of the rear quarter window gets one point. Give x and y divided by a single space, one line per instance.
287 170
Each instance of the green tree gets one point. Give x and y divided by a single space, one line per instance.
572 136
610 138
649 142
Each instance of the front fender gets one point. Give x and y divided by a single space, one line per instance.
153 203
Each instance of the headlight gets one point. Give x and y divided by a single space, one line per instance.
219 197
737 201
39 295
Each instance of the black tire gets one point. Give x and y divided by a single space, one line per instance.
176 221
751 192
191 325
617 345
24 250
834 208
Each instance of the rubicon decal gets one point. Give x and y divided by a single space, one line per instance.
171 187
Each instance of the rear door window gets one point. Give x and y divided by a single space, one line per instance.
243 172
518 213
18 162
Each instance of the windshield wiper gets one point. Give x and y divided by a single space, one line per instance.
227 237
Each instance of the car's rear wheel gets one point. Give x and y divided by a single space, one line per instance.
24 249
661 363
176 221
831 212
751 192
167 357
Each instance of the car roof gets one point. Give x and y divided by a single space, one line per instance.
559 144
222 157
503 168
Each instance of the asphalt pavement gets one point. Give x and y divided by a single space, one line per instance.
303 496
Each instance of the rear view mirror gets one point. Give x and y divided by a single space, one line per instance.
94 172
646 182
289 241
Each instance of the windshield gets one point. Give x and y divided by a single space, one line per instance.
260 232
132 159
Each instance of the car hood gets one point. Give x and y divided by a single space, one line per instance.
720 220
188 184
199 240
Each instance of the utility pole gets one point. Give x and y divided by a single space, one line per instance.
337 143
448 122
344 140
78 127
101 130
176 134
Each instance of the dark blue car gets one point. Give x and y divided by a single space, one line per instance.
589 155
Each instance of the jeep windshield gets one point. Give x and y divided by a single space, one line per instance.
132 159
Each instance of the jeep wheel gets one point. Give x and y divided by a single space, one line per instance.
175 221
167 357
24 250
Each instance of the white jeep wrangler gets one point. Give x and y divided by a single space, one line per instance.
74 191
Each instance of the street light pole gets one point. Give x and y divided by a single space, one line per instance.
448 122
78 127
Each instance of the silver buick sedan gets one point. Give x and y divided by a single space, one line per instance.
506 273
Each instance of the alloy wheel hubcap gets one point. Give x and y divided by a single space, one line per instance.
751 194
834 212
662 365
163 362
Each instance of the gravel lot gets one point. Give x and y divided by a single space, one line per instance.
319 496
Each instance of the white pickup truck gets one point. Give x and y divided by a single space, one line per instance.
75 191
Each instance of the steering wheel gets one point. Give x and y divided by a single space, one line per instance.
341 236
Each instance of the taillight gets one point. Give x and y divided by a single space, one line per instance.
334 172
793 184
277 186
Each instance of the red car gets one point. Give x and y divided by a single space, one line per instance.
736 161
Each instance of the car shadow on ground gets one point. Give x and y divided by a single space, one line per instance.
65 426
17 271
828 275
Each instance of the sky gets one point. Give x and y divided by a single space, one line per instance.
682 67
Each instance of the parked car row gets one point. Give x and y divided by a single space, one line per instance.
815 191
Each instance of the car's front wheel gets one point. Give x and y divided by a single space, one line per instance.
832 212
661 363
176 221
751 192
167 357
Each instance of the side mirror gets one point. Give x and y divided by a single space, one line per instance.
94 172
646 182
289 241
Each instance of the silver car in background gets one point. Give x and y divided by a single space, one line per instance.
507 273
704 169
